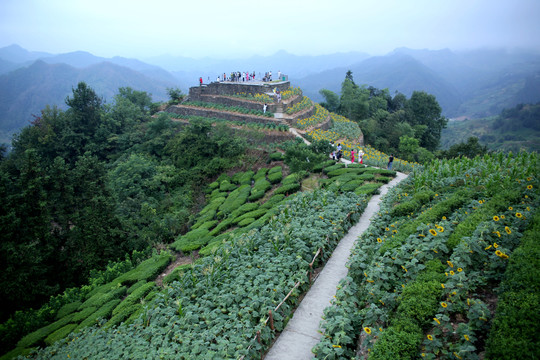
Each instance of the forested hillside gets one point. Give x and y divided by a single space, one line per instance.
514 129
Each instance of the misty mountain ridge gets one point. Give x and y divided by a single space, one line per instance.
467 84
26 91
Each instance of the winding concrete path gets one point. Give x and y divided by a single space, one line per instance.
301 333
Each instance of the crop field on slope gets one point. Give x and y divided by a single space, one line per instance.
447 270
257 244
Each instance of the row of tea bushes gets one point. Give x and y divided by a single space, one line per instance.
423 278
117 300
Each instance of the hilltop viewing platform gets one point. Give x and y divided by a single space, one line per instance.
232 87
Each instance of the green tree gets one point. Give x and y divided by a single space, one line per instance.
469 149
331 102
425 110
408 146
353 102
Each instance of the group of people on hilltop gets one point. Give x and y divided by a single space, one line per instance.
239 76
337 154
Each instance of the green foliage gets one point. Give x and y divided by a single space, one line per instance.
192 240
276 156
60 334
68 309
147 270
367 189
134 297
287 189
83 314
516 322
36 337
275 177
398 343
100 299
235 199
179 270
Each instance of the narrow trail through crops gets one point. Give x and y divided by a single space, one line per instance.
301 333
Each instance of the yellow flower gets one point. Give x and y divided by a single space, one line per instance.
437 321
320 217
452 273
444 217
450 264
379 240
367 330
502 217
498 252
529 187
387 229
394 231
456 355
430 338
442 285
336 346
466 337
432 232
498 233
518 215
495 245
403 267
459 269
487 248
510 208
435 251
443 304
507 229
496 218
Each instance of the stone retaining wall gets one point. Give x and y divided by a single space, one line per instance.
228 101
211 113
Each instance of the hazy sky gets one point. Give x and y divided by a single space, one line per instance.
237 28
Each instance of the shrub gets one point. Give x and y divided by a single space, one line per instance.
398 342
103 312
36 337
135 297
384 179
277 156
213 186
122 315
273 201
176 273
147 270
329 169
101 299
235 199
350 185
246 222
287 189
135 286
261 174
226 186
255 214
275 177
275 169
60 334
405 208
367 189
424 197
83 314
192 240
68 309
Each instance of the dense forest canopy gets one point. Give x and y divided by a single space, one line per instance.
90 184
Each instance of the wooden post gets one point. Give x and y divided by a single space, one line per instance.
310 272
271 317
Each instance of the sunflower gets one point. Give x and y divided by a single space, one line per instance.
498 253
507 229
442 285
379 240
529 187
433 232
502 217
466 337
336 346
430 338
452 272
443 304
440 229
444 217
487 248
495 245
510 208
496 218
437 321
450 264
367 330
459 269
518 215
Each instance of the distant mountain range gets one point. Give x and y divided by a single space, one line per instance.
469 84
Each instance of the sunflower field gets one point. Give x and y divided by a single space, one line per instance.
448 269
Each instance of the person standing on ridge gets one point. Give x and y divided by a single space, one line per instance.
200 81
390 161
352 156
